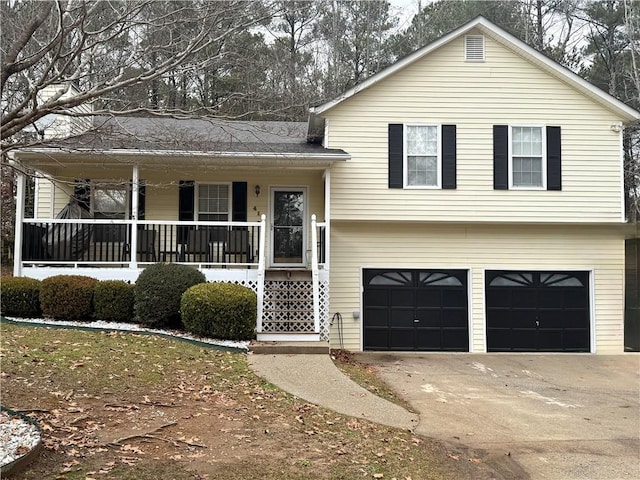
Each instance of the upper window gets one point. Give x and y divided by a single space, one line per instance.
527 162
213 202
422 159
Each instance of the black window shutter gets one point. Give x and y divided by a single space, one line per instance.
186 199
142 193
500 157
239 202
554 164
449 157
396 156
82 193
141 198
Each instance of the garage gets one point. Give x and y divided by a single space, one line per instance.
416 310
537 311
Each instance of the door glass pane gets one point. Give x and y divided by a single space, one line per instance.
288 234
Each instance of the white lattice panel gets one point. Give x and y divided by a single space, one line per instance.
288 307
325 322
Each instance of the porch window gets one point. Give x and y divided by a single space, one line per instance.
109 202
214 206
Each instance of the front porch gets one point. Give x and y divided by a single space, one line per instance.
292 301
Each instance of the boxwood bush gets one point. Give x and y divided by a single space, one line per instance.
158 291
68 297
20 296
113 301
220 310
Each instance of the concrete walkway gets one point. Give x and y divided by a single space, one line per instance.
317 380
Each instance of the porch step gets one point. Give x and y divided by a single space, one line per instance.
284 347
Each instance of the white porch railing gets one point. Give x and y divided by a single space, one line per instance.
79 243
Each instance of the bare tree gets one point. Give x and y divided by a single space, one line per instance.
118 55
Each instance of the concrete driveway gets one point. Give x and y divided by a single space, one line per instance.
557 416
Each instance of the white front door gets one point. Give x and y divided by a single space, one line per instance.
288 232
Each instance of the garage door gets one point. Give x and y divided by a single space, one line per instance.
421 310
534 311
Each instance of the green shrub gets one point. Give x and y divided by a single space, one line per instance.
20 296
113 301
158 292
220 310
68 297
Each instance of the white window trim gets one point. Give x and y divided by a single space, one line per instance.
196 203
544 156
110 184
405 169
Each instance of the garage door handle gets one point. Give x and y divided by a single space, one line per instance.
415 320
537 323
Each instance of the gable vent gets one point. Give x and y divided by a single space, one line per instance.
474 48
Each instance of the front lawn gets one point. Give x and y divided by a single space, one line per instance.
128 406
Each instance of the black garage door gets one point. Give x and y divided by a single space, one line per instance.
534 311
415 310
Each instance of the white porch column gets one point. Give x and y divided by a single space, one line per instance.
315 282
261 264
327 217
133 264
18 229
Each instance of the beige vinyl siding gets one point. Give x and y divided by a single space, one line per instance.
358 245
43 198
505 89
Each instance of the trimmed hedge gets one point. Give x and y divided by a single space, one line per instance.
113 301
68 297
158 292
20 296
220 310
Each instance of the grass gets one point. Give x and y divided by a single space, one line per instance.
126 406
366 377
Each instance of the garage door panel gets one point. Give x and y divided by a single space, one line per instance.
552 298
552 317
454 298
419 305
575 319
376 298
401 318
455 318
537 311
576 339
550 340
377 338
428 318
377 317
523 339
524 297
574 299
499 298
428 339
428 298
499 340
401 297
401 339
452 338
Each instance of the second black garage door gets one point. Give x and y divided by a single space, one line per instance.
536 311
423 310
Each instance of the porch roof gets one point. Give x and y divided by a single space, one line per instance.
222 141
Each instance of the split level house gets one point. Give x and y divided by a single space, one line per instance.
467 198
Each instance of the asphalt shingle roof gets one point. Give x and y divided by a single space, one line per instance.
201 135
